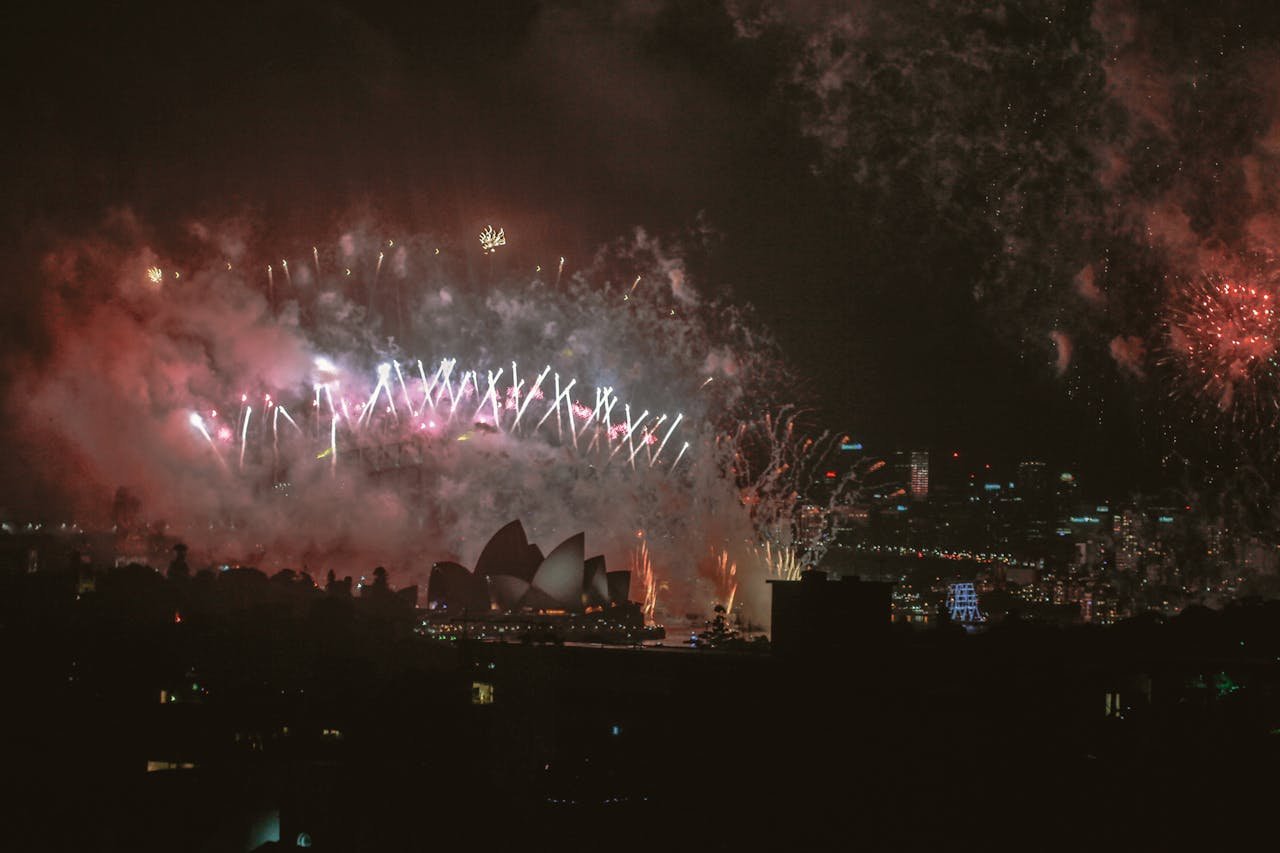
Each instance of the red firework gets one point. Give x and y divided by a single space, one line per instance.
1223 334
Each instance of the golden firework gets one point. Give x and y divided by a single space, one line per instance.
490 240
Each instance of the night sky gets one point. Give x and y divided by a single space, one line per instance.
963 221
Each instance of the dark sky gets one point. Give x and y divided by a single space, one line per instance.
908 196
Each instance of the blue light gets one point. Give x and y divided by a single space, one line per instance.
1102 508
902 507
991 487
854 445
615 730
1165 519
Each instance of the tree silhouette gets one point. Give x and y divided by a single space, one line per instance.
718 632
178 568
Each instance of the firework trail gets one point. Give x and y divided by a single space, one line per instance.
781 560
244 434
726 579
642 574
680 456
199 424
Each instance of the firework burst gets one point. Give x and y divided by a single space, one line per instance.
1222 338
490 240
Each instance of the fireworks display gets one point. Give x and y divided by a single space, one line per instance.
315 422
1076 172
266 329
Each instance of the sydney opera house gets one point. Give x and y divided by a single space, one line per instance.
513 580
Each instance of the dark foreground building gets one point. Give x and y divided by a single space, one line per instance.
242 713
815 615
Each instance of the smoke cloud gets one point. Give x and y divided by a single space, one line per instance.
1096 162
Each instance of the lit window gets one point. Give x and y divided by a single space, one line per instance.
481 693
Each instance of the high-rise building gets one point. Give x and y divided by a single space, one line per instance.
1127 532
1032 479
1035 501
811 522
919 475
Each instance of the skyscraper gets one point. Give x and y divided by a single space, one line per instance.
919 475
1127 532
1032 479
